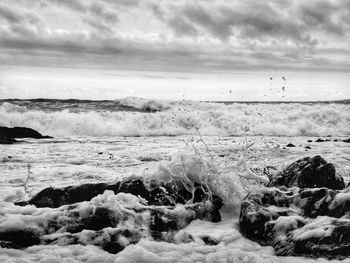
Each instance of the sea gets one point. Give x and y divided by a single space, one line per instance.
107 140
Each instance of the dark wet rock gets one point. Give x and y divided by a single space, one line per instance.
290 145
299 222
305 211
81 215
347 140
154 194
109 221
309 172
210 241
5 140
20 132
319 140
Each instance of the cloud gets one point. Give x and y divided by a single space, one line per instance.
182 27
103 13
177 35
297 21
76 5
10 15
325 16
247 20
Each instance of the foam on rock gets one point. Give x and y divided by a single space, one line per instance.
109 221
299 217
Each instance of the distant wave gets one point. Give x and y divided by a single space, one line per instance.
90 118
75 105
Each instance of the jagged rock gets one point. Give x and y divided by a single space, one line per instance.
74 215
299 222
320 140
309 172
165 194
20 132
108 220
5 140
210 241
305 211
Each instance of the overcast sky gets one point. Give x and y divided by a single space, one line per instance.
177 36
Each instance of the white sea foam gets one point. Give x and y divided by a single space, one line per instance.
180 118
144 104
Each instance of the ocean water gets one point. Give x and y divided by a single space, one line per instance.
103 141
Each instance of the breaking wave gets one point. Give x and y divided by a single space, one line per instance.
157 118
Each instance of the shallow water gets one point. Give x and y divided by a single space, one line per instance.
75 160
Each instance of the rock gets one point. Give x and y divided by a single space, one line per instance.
303 212
347 140
290 145
109 221
309 172
319 140
307 147
210 241
5 140
309 140
154 194
19 132
299 222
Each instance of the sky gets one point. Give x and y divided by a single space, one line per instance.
203 49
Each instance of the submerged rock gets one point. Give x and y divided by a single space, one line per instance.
8 135
290 145
109 221
320 140
305 211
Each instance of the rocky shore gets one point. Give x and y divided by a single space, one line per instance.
304 211
9 135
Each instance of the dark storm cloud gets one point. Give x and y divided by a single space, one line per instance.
325 16
296 21
104 13
96 14
14 16
182 27
251 20
10 15
214 34
76 5
126 3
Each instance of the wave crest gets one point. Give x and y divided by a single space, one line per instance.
294 119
